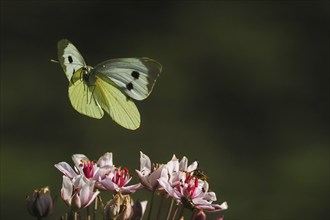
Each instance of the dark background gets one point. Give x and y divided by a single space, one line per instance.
244 90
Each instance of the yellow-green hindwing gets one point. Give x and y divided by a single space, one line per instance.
121 109
82 97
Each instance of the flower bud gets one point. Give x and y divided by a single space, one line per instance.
199 215
40 204
120 207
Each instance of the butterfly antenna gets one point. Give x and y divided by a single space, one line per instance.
54 61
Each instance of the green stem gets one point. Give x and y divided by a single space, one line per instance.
88 216
151 204
160 206
72 215
75 215
170 210
95 209
181 212
175 212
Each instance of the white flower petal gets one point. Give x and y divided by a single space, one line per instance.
86 191
108 184
224 205
168 188
67 189
105 160
91 199
66 169
192 166
183 164
210 196
145 163
77 158
131 189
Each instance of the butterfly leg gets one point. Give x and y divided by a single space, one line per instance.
92 94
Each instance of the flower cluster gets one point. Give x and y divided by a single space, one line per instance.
180 182
103 173
186 185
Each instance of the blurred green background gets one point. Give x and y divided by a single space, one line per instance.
244 90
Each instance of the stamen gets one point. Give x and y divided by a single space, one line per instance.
88 168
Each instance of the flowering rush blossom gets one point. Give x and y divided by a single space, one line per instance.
103 172
190 191
78 191
174 165
150 173
186 184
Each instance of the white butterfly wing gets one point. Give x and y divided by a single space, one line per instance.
69 58
121 109
81 97
135 76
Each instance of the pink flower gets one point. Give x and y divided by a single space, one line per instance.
83 166
174 166
190 191
105 174
149 173
117 179
78 191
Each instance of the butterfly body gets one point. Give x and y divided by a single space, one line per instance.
86 75
109 86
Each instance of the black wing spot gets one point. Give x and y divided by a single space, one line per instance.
135 74
129 86
70 59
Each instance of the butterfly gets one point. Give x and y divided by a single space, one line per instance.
109 86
